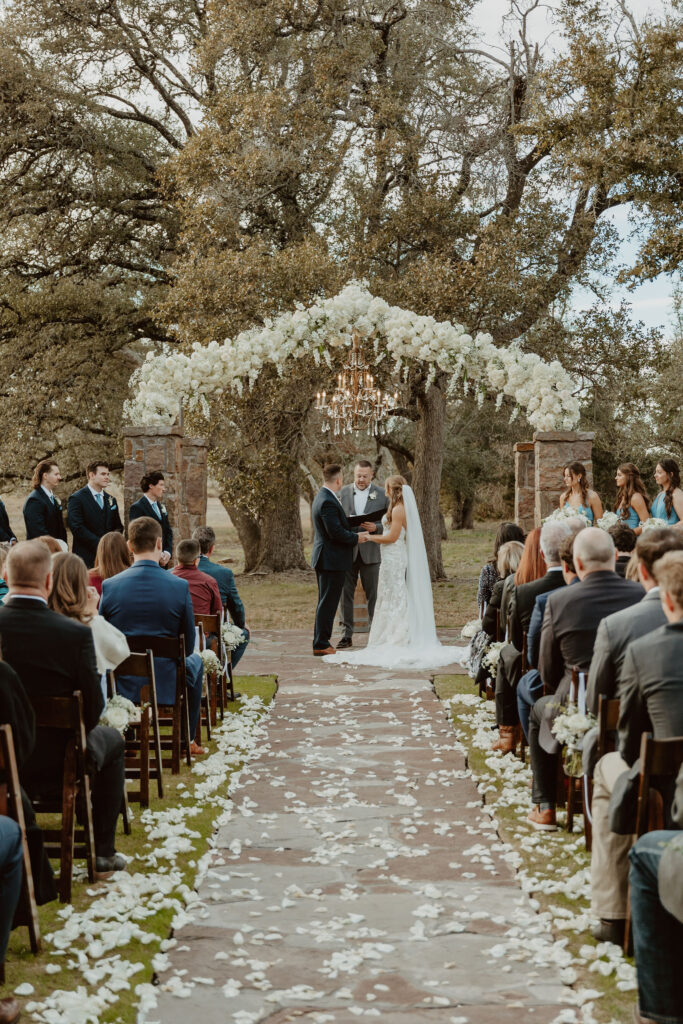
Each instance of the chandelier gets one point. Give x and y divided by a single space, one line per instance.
356 404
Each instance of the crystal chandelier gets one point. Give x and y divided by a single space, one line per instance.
356 404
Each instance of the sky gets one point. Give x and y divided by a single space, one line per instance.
650 302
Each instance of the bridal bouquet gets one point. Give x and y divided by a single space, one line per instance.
608 520
232 635
119 713
569 728
561 514
210 662
653 524
492 657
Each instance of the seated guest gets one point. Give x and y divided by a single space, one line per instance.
43 509
624 541
541 557
206 599
7 534
150 504
651 695
52 544
11 869
509 557
92 512
53 656
146 601
571 620
4 551
71 595
489 574
113 556
226 585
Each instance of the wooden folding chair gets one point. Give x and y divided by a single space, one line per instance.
11 807
65 715
608 720
170 716
525 668
574 786
143 759
208 681
210 625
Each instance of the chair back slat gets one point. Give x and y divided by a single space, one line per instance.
64 713
658 759
608 721
172 647
13 808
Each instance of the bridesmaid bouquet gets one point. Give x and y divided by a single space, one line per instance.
654 524
561 514
608 520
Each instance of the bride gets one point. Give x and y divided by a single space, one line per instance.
403 633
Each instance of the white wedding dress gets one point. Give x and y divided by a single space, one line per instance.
403 632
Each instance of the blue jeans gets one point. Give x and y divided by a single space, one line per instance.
11 868
194 673
239 651
529 689
657 935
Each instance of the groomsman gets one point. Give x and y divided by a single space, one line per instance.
358 499
6 532
152 486
92 513
43 509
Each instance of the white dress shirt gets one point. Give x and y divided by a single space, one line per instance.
360 500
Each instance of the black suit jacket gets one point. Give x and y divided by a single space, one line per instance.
143 507
88 522
6 531
523 600
334 542
53 656
43 517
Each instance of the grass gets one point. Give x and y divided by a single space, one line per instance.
557 856
21 966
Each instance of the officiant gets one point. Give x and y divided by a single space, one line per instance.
362 498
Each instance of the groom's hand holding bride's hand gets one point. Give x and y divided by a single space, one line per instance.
363 537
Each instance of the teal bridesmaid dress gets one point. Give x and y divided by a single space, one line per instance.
584 510
659 511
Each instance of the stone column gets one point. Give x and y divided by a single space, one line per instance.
524 485
553 450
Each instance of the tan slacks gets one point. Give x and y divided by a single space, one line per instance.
609 857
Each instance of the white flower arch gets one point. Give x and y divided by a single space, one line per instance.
543 390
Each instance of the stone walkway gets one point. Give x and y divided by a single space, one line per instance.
359 875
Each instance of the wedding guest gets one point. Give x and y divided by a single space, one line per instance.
43 509
71 595
224 577
92 512
624 541
206 598
651 696
53 656
509 557
668 505
52 544
7 534
4 551
633 502
578 496
571 620
489 573
113 556
153 486
147 601
357 499
11 870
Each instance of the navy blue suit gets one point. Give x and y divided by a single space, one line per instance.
332 558
230 599
89 523
147 601
43 518
6 531
143 507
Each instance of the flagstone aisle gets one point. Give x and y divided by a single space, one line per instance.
359 875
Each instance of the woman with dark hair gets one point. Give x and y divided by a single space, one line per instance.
578 496
113 556
153 486
532 565
633 501
668 505
489 575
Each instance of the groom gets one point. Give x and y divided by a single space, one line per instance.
332 555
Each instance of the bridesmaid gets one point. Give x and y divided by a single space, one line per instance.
668 504
632 499
578 496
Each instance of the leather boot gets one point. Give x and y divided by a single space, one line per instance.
509 739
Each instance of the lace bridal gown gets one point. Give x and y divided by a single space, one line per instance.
403 632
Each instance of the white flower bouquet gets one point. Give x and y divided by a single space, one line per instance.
492 657
232 635
608 520
562 514
569 728
471 629
210 662
119 713
653 523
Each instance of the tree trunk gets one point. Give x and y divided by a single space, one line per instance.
282 538
248 531
431 405
467 515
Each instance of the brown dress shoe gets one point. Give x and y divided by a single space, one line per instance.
9 1011
509 738
544 821
196 750
326 650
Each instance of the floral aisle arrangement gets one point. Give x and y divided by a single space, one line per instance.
543 390
608 520
569 728
119 713
492 657
470 629
210 662
653 523
232 635
562 514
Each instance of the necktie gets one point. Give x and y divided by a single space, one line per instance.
99 499
156 509
52 498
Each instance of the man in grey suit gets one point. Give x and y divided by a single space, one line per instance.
358 499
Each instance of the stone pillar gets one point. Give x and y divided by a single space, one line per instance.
525 500
182 460
553 450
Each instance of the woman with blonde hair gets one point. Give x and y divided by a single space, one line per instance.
113 556
71 595
509 557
